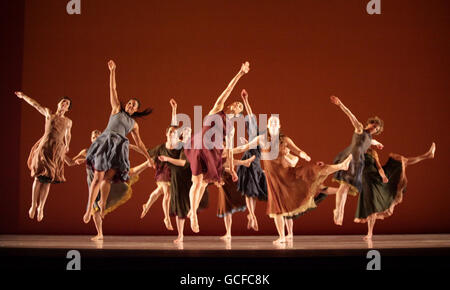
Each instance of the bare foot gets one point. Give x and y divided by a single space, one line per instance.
249 223
255 224
144 210
194 224
168 224
32 211
280 240
178 240
367 238
226 237
189 214
40 214
346 162
336 217
87 216
430 152
97 238
249 161
289 237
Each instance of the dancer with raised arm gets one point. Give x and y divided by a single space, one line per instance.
47 157
351 180
119 192
383 186
162 174
108 154
291 190
252 180
206 162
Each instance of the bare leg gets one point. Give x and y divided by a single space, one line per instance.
370 225
98 225
279 223
180 228
153 197
166 206
227 219
194 195
105 187
330 190
93 191
290 228
341 197
44 189
417 159
329 169
138 169
251 205
34 198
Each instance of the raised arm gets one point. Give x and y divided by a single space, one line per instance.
295 150
68 135
247 146
114 99
244 96
356 124
138 141
220 103
173 120
43 110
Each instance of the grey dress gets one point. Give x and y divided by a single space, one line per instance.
353 176
110 149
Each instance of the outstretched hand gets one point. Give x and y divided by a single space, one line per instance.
385 179
243 140
111 65
244 95
245 68
20 95
234 176
305 156
173 103
335 100
163 158
380 146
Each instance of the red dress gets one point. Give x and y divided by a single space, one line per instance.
208 161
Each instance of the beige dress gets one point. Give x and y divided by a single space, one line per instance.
46 160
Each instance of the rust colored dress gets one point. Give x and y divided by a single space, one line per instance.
46 159
291 190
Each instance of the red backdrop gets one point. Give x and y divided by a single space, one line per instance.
394 65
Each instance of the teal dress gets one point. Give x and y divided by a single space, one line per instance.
377 198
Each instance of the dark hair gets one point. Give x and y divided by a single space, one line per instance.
66 98
145 112
96 131
378 121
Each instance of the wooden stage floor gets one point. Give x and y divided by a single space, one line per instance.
242 252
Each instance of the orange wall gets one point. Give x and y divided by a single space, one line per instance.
394 65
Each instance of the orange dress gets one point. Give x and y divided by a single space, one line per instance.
291 190
46 159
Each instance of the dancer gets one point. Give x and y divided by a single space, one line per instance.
119 192
251 180
351 180
383 186
206 163
230 199
162 175
291 190
108 154
47 156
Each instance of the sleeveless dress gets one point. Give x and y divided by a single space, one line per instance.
46 159
230 200
180 185
162 172
353 176
292 190
110 150
252 180
377 198
207 161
